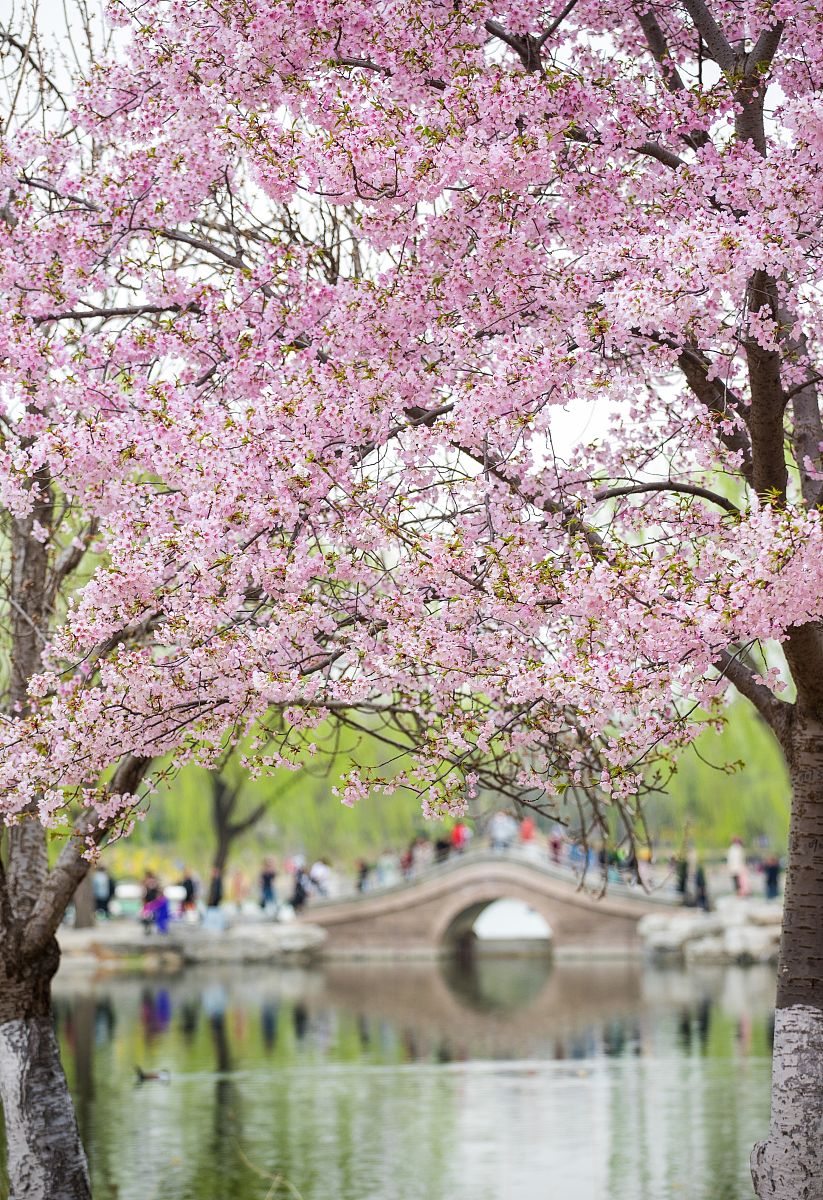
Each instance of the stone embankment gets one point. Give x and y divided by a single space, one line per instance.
123 945
737 931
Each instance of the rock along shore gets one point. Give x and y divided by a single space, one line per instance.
124 946
736 932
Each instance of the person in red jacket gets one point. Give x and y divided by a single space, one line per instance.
527 829
460 837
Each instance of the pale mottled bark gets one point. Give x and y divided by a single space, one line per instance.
788 1165
45 1156
45 1159
800 973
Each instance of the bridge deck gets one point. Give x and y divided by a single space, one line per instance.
425 913
591 885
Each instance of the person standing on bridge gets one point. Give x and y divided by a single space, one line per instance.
460 837
528 829
502 830
557 839
102 886
215 894
442 849
423 853
239 888
407 860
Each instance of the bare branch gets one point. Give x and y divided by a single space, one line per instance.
721 401
34 64
570 518
556 23
367 64
105 314
70 559
655 150
72 865
236 828
525 45
188 239
688 489
659 48
774 711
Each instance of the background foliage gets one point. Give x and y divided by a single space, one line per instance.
732 782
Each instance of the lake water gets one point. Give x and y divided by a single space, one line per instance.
502 1079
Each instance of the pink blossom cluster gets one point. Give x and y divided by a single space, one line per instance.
290 330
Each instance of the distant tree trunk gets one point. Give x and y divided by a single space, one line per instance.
222 851
84 904
225 802
222 805
45 1156
788 1165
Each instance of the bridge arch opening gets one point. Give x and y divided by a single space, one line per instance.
498 925
511 920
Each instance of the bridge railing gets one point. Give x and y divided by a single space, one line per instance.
534 857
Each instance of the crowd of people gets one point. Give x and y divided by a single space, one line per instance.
738 867
277 891
422 852
502 830
236 892
687 872
691 876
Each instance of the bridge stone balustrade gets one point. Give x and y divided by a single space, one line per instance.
430 914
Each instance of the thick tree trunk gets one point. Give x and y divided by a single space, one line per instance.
45 1158
788 1165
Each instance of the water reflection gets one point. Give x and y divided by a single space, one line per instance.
478 982
496 1079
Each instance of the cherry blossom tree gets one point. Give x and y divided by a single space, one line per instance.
296 299
184 572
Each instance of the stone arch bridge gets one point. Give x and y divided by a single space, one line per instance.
431 913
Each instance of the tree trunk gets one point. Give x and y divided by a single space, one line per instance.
45 1156
221 852
222 806
84 917
788 1165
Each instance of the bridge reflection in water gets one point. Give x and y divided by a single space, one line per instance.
422 1081
434 912
480 986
